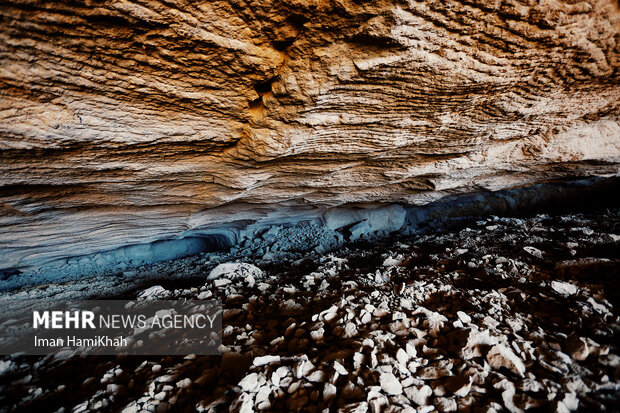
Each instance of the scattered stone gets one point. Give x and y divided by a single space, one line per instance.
221 282
263 360
317 376
329 392
411 350
501 356
460 386
472 343
577 348
535 252
419 394
360 407
390 384
402 356
340 369
262 395
564 288
185 383
384 323
156 292
235 270
250 383
205 295
350 330
445 404
463 317
432 373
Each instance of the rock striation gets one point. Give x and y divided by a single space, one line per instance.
126 122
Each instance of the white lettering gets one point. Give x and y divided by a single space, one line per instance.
56 319
38 319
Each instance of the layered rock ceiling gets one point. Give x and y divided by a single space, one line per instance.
129 121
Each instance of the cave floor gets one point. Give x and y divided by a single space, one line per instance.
493 314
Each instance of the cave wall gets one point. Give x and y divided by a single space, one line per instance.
124 122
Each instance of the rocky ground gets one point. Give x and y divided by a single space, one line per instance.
496 314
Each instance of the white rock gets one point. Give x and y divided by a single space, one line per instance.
419 394
358 359
392 262
154 292
220 282
435 320
379 404
411 350
318 334
283 371
250 383
204 295
533 251
463 317
366 317
571 401
350 330
303 368
235 270
164 379
185 383
390 384
564 288
291 307
402 357
131 408
476 340
502 356
263 360
340 369
247 405
316 376
329 392
263 394
508 395
5 366
293 387
445 404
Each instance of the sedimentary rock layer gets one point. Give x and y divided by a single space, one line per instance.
129 121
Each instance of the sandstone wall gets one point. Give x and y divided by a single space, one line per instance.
129 121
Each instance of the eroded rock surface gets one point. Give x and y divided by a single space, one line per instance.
124 122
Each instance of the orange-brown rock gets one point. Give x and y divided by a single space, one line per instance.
127 121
